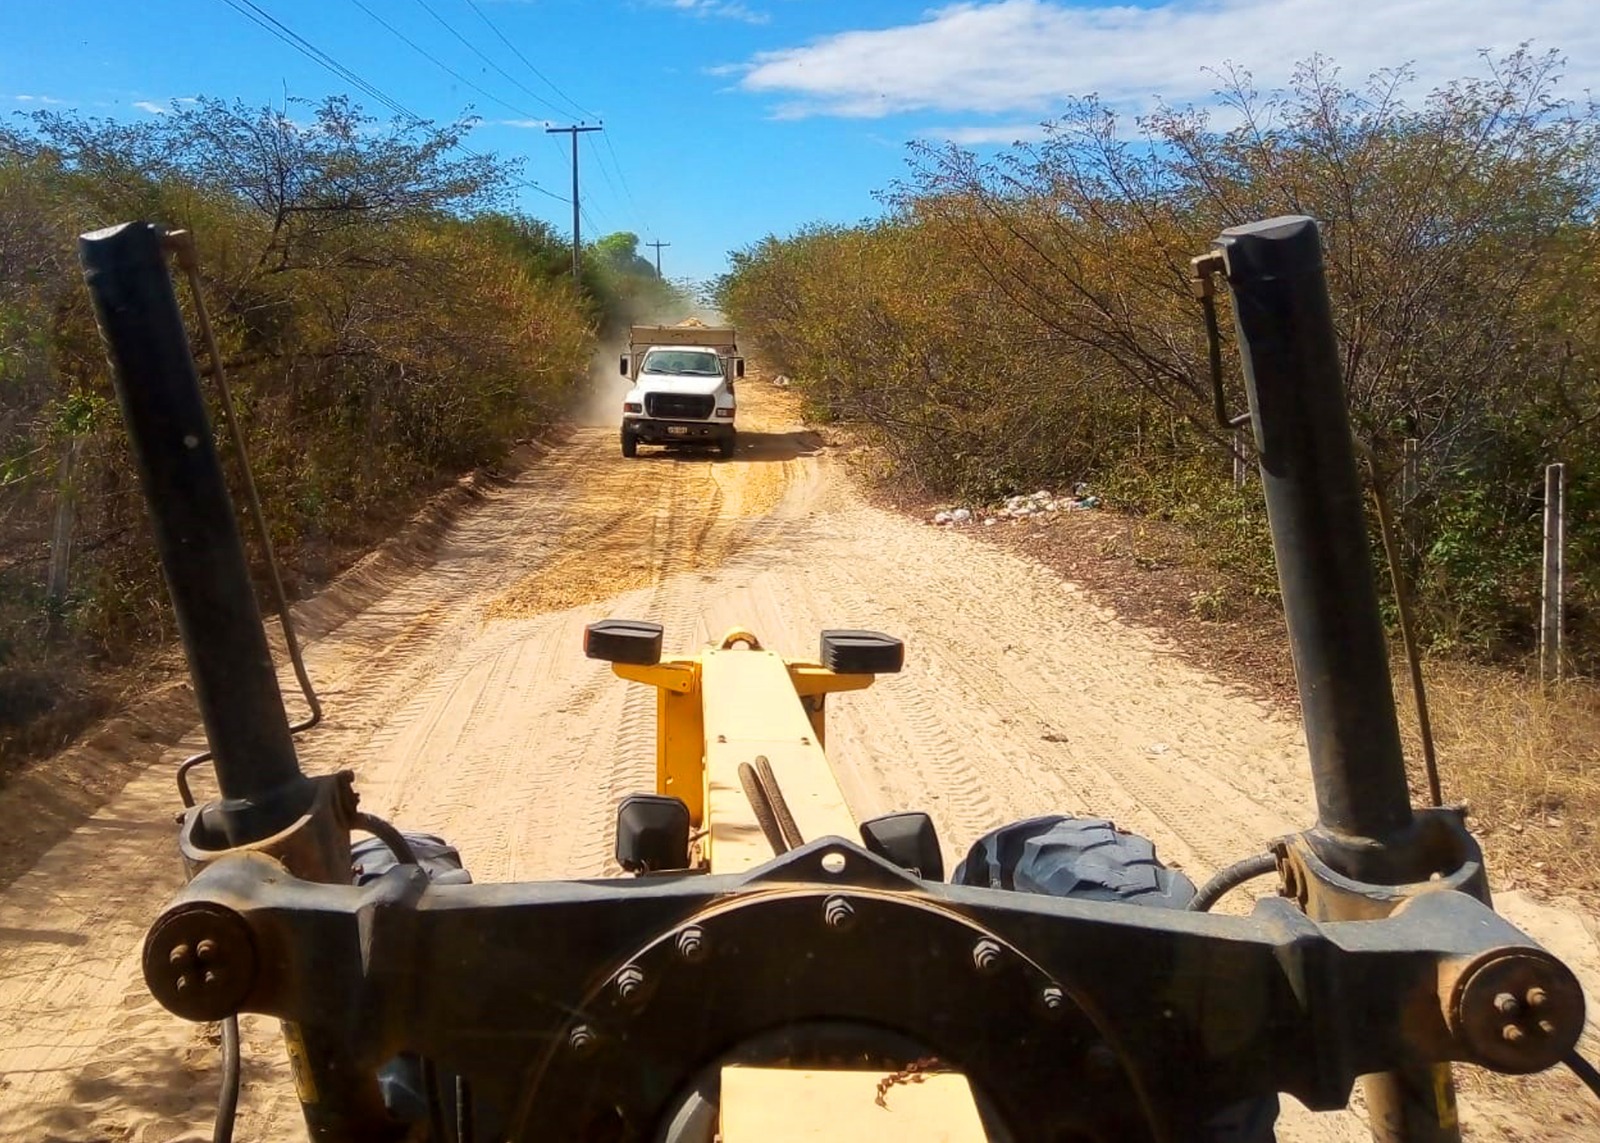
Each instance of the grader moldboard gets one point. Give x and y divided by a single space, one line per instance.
758 957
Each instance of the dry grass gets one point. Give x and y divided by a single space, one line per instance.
1526 760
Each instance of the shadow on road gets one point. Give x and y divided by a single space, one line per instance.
753 446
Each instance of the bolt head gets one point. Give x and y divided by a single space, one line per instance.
1537 998
986 957
693 945
582 1040
1512 1034
839 914
1053 1000
630 985
1507 1004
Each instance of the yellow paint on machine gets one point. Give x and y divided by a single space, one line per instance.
760 1105
716 711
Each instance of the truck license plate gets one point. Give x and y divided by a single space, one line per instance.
678 430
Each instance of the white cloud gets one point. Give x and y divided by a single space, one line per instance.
526 123
1012 56
723 9
147 105
45 99
979 135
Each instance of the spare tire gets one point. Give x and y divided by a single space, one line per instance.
1090 859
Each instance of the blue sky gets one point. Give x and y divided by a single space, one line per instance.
730 119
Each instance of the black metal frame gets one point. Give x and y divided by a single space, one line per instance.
587 1009
1172 1015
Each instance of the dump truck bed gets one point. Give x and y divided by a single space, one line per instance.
721 338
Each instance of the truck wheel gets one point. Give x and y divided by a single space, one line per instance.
630 444
1092 860
725 447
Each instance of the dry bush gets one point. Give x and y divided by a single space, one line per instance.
1525 759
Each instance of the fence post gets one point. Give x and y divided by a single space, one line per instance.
1410 489
57 578
1552 626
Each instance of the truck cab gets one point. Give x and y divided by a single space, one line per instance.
683 390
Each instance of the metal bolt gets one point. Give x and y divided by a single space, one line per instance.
1507 1004
630 985
206 949
1547 1027
1511 1034
181 956
182 983
986 957
582 1040
1054 1000
692 944
839 914
1537 997
210 978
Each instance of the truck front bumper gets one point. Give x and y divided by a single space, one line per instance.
678 432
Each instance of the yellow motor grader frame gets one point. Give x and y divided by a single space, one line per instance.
731 705
741 736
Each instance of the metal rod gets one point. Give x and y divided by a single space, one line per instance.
1314 503
1551 589
197 536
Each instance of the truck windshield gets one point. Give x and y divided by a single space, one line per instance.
683 363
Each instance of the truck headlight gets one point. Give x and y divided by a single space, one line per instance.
726 414
632 407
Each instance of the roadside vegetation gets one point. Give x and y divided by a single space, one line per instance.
1025 321
386 321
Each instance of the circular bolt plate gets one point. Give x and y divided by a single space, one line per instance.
1518 1012
200 961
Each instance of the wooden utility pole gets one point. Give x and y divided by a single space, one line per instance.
658 246
577 242
1555 553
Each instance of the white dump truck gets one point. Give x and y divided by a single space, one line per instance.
683 377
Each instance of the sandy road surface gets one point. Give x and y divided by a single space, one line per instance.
462 700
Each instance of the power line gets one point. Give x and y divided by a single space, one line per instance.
534 95
440 64
583 112
622 174
605 175
299 43
265 20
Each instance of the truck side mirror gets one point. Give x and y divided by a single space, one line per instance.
738 367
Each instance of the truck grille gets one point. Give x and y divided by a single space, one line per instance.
687 406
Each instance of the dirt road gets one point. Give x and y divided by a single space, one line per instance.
460 697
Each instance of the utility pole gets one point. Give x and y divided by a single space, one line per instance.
577 244
658 246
